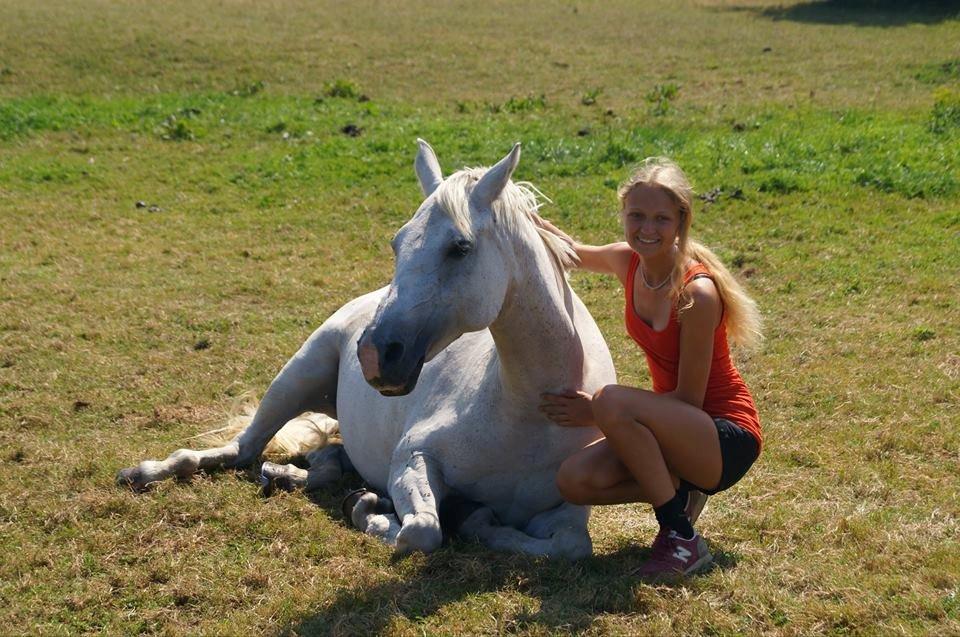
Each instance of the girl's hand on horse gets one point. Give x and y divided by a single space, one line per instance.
568 410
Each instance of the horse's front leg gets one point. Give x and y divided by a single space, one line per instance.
558 532
417 490
416 487
306 383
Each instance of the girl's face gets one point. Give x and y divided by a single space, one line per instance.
651 220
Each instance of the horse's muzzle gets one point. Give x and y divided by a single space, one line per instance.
388 367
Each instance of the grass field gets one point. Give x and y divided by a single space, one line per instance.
187 189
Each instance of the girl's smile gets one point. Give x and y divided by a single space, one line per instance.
651 221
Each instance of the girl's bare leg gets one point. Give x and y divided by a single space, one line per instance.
594 475
656 436
651 440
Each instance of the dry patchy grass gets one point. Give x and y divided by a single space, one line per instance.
262 216
723 54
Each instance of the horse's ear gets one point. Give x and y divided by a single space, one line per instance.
493 181
428 168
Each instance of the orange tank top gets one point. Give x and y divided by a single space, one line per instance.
727 395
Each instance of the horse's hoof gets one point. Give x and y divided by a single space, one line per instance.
350 501
266 486
281 477
130 478
419 533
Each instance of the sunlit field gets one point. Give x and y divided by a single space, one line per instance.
188 189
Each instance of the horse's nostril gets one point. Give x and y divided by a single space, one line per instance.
393 352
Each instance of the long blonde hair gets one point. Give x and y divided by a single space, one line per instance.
740 311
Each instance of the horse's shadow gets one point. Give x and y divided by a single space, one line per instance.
569 595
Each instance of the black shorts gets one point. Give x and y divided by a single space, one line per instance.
738 451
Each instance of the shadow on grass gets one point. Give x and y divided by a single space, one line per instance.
570 594
867 13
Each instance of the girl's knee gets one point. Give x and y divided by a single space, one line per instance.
574 491
613 406
572 482
607 404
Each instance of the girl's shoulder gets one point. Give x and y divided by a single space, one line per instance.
619 256
701 293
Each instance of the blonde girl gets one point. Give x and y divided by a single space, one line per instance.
698 431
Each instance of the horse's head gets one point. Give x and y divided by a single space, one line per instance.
451 275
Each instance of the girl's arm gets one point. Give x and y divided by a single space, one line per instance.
613 258
697 325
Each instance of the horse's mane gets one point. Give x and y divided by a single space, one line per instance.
515 208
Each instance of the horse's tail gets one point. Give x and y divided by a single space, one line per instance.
299 436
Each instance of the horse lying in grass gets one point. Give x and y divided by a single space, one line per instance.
435 379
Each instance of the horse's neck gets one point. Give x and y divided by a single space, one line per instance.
535 334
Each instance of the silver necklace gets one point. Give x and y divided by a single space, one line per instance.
646 284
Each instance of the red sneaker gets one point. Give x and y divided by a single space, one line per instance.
662 536
672 556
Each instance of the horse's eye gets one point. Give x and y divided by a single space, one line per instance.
460 248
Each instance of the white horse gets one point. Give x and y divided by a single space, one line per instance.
436 379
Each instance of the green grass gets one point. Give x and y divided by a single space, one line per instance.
271 148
